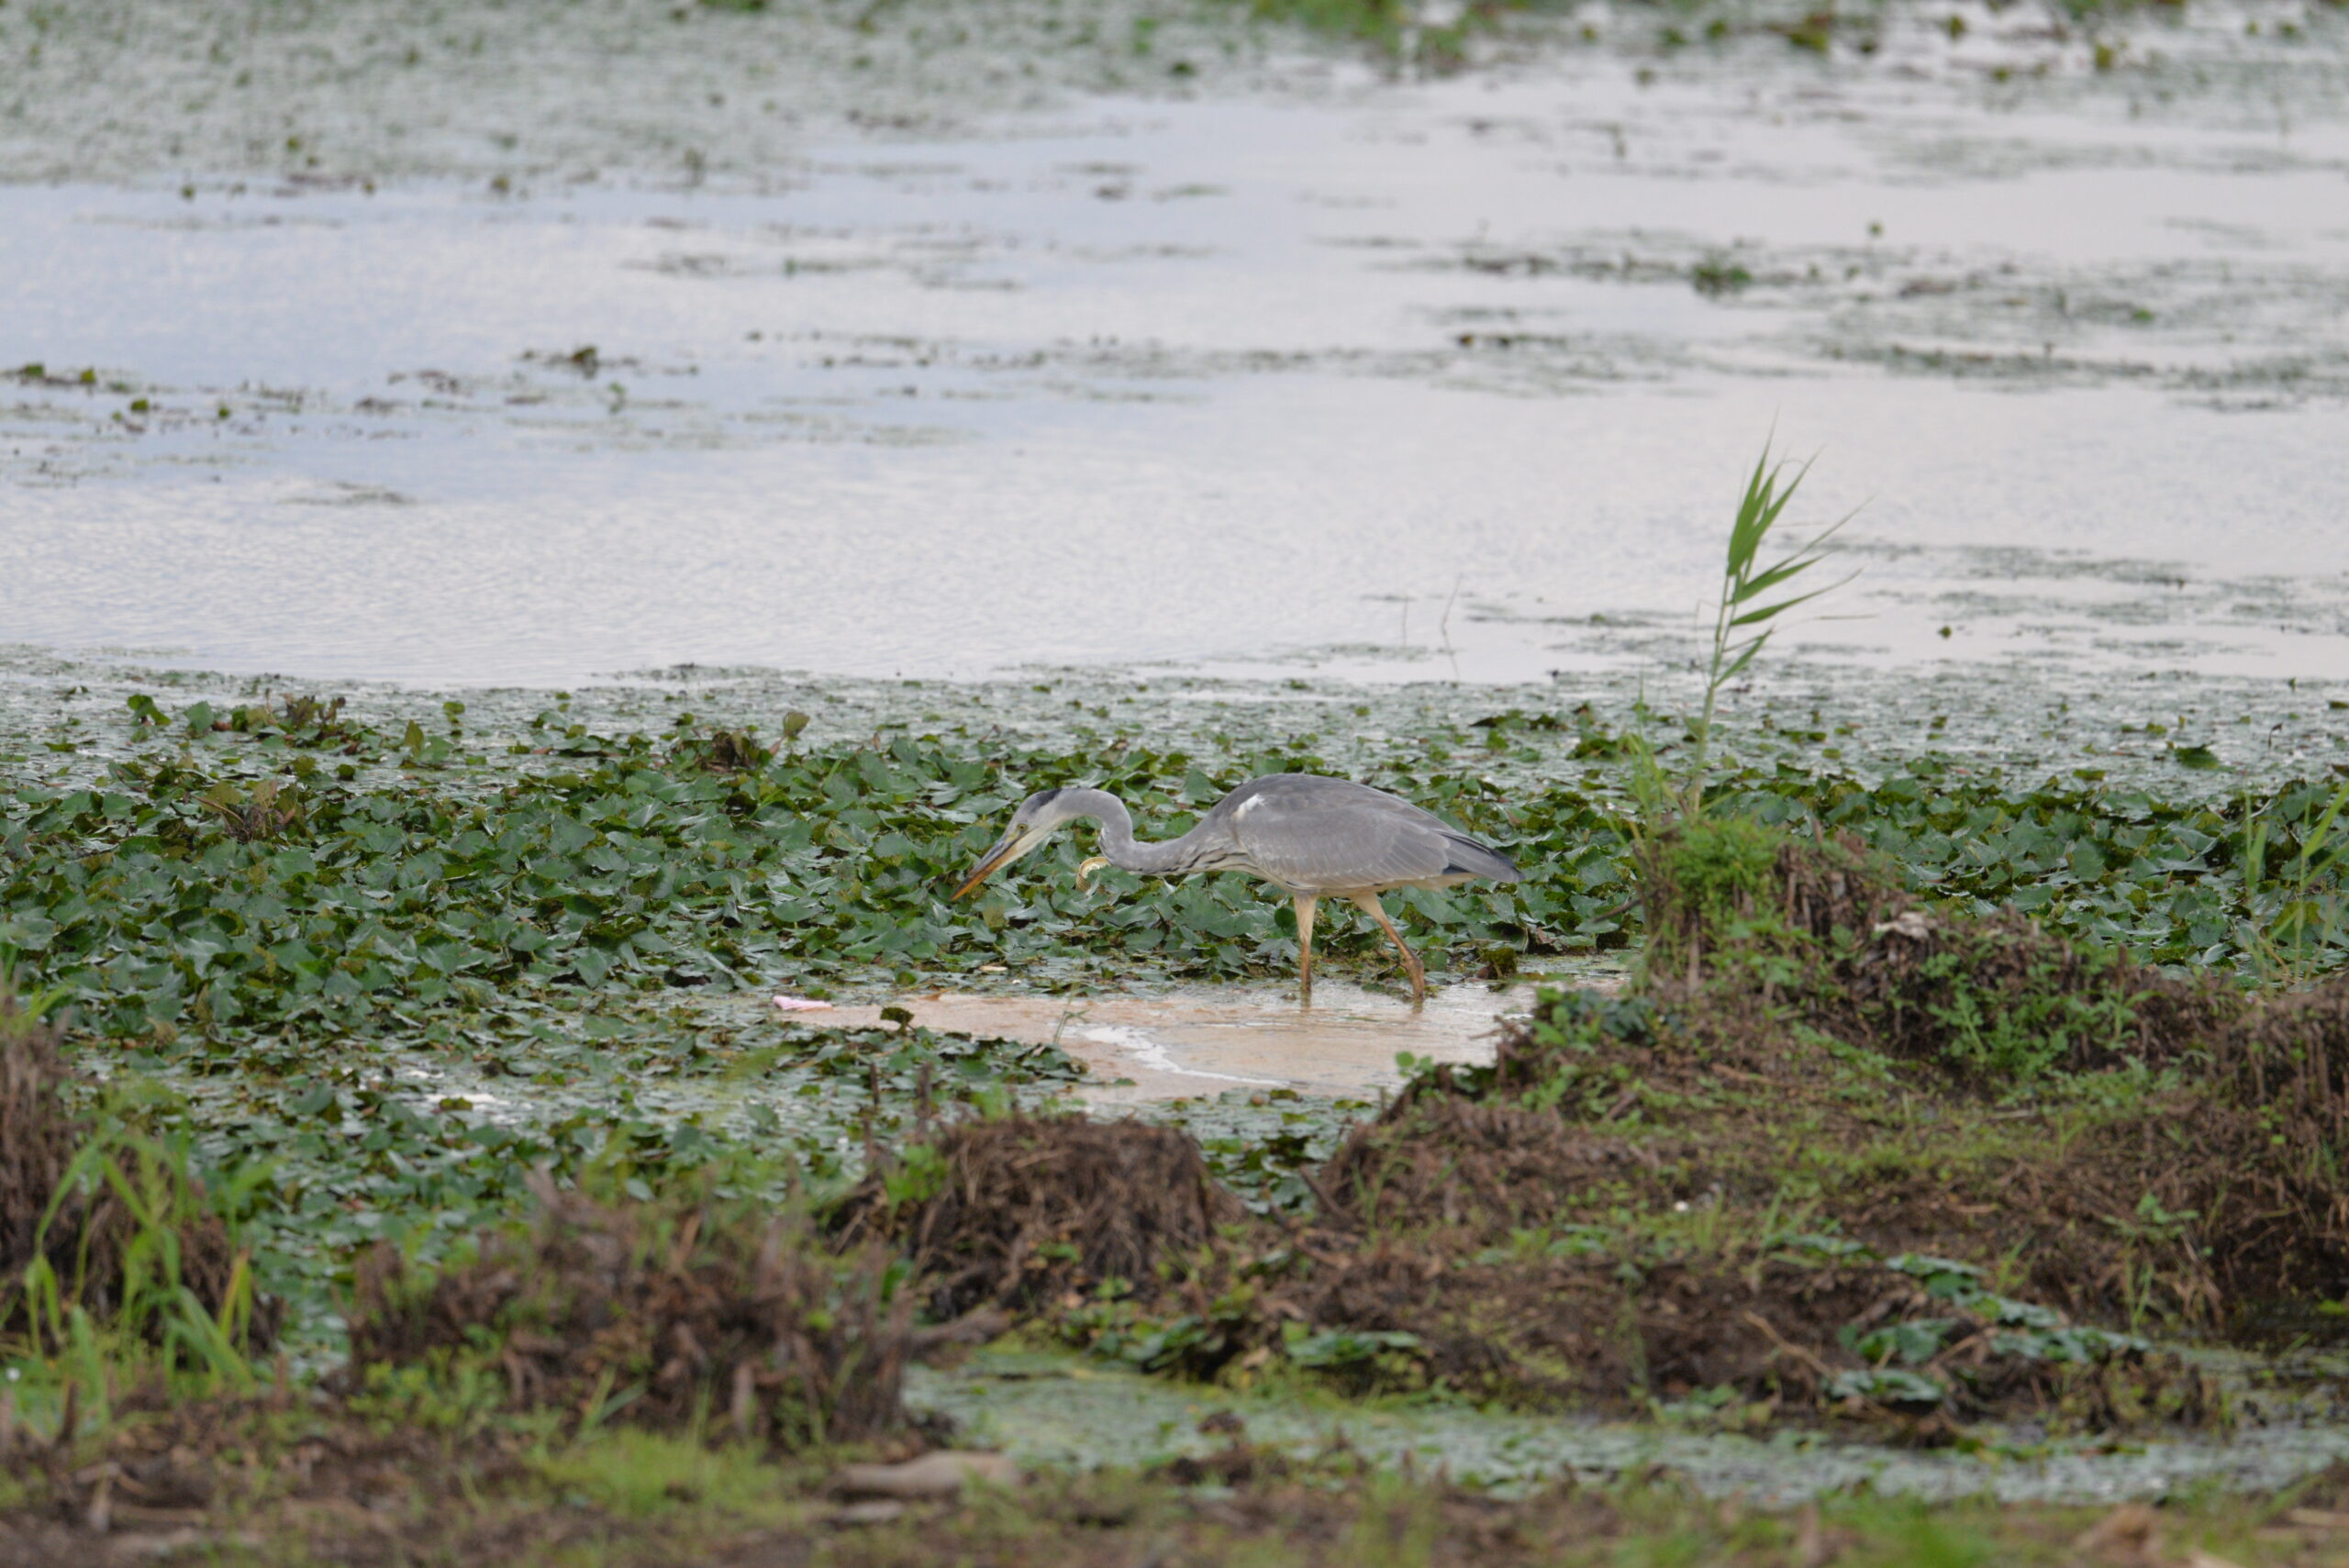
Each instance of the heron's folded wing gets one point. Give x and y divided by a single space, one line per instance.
1335 845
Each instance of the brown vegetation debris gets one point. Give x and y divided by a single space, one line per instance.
1434 1261
1236 1464
1030 1208
1784 1335
210 1480
660 1312
37 1133
2289 1056
1717 1114
2128 1537
466 1503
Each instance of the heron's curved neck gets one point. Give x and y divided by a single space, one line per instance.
1171 858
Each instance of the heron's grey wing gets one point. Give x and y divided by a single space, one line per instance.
1352 840
1465 855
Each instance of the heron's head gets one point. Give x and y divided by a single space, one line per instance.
1030 826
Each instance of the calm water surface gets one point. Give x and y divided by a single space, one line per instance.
1454 378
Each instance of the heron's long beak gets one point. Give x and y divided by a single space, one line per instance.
1008 849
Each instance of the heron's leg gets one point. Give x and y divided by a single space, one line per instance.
1370 905
1305 902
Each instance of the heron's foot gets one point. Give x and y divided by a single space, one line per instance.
1084 872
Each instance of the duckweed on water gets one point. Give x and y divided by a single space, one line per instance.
266 873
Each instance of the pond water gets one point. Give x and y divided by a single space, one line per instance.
1379 377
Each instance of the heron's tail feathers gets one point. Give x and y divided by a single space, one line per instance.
1465 857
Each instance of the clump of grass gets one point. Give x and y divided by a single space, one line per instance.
1826 930
696 1314
2185 1166
117 1268
2295 925
1706 885
639 1475
1719 276
1018 1209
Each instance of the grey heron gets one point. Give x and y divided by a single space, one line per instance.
1311 837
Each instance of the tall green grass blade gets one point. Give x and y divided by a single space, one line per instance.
1780 574
1744 659
1753 617
1769 490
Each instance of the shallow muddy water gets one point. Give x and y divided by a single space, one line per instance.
1056 1410
1140 1049
1386 379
